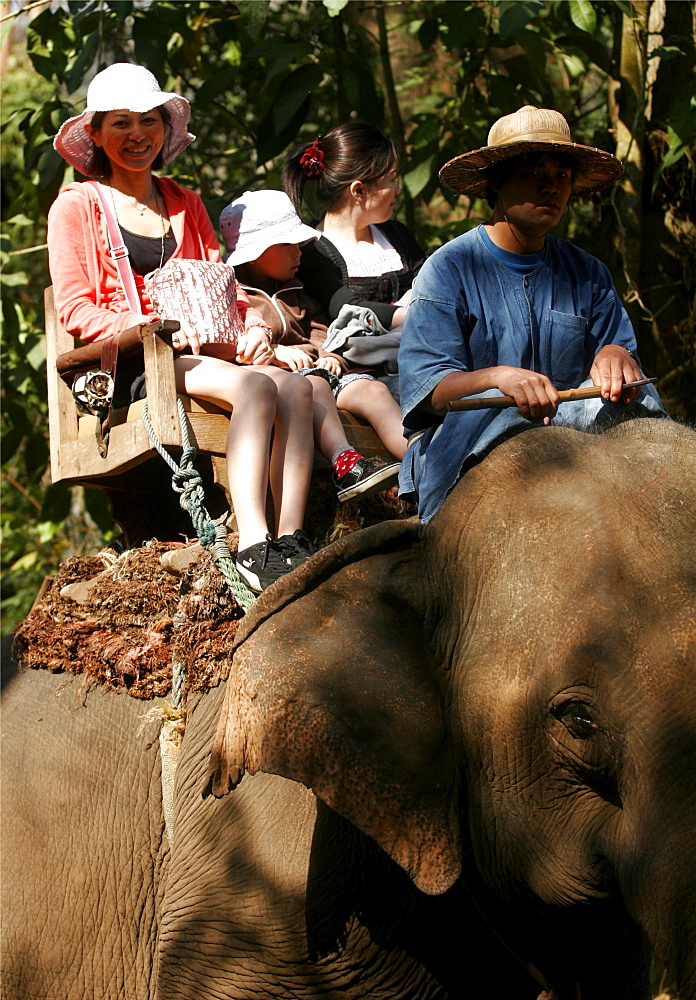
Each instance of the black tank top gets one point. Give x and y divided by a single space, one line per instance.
145 252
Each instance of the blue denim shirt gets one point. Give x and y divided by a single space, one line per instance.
469 311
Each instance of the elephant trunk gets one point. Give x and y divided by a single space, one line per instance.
675 937
659 888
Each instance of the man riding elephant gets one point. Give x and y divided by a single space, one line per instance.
508 308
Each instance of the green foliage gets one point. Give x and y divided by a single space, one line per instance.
262 76
583 15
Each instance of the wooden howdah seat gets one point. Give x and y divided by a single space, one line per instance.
135 477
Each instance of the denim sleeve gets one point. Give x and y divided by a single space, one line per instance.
609 322
434 342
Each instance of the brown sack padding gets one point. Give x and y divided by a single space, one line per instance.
123 629
135 618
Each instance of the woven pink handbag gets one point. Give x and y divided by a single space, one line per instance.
202 295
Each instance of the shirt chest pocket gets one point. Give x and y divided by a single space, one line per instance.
563 348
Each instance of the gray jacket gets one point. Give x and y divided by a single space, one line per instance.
358 335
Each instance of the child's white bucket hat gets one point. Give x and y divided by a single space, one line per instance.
258 220
123 87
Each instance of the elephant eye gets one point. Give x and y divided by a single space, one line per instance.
578 719
592 754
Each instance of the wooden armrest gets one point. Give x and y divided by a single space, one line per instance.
160 381
130 342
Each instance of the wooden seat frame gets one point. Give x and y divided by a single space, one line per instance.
75 457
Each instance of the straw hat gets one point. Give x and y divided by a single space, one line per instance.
531 130
123 87
258 220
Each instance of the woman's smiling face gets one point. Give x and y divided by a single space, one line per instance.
130 139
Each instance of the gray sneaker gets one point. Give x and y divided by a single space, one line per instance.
367 476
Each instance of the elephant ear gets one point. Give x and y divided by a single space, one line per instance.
331 685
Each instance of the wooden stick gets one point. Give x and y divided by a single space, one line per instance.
501 402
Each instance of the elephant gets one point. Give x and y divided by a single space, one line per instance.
449 761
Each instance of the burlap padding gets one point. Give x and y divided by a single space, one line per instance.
138 616
125 635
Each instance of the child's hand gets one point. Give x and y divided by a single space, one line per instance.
254 347
332 365
293 358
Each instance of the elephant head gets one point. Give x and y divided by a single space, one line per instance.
507 696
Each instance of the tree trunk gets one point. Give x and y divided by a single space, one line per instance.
627 116
656 236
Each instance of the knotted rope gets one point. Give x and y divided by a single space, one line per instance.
212 534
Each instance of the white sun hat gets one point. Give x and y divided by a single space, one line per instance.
258 220
123 87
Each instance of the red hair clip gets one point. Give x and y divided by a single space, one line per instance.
312 161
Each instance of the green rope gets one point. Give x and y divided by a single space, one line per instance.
212 534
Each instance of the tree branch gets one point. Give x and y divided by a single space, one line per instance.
397 125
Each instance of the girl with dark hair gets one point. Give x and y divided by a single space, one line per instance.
363 258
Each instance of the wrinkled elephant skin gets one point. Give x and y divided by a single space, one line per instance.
495 721
514 683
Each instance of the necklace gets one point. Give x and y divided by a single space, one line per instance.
159 212
140 208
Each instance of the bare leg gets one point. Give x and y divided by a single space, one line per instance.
252 398
329 434
372 401
292 451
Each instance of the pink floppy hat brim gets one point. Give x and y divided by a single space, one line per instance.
75 145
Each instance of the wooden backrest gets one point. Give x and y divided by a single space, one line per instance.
75 457
62 412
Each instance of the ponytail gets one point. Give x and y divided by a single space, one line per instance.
348 152
293 178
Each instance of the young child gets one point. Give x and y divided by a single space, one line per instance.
263 235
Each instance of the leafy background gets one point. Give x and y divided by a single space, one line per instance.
264 75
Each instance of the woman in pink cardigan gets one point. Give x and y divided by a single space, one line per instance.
129 128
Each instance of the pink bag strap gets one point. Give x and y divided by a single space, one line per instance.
119 251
